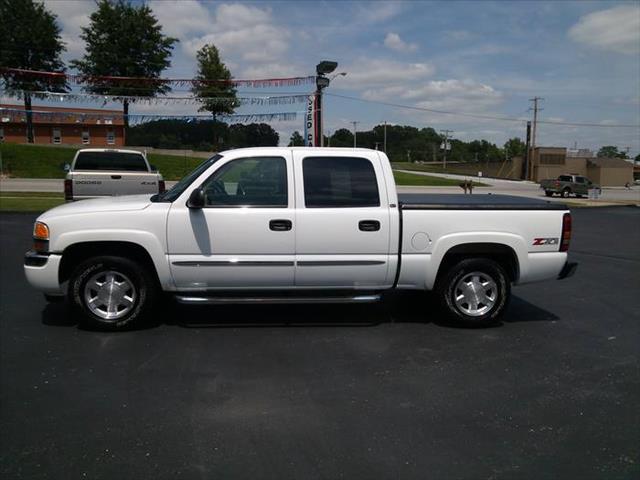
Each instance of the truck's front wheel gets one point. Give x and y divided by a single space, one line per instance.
474 292
111 293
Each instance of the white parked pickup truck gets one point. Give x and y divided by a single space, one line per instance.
103 172
294 225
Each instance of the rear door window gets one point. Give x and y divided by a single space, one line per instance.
565 178
339 182
111 161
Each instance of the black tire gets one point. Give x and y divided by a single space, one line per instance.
566 192
140 288
548 193
447 291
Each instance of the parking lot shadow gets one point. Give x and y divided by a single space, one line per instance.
397 307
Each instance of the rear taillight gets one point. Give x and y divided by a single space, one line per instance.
68 189
161 186
557 184
566 232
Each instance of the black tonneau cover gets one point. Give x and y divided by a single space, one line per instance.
483 201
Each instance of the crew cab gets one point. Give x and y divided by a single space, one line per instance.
294 225
566 185
97 172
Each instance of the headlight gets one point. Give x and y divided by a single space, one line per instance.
40 231
40 237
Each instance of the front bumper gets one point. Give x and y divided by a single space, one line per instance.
41 270
568 270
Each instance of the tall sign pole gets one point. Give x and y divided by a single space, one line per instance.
322 69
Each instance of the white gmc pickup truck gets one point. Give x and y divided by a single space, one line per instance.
106 172
294 225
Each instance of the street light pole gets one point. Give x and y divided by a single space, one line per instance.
322 81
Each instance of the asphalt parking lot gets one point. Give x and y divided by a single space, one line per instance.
382 391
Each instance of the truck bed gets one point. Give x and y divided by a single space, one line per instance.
483 201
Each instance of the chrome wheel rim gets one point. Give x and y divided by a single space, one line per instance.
109 295
475 294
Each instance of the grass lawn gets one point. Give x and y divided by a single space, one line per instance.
29 201
409 179
34 161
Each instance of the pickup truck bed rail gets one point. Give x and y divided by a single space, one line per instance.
439 201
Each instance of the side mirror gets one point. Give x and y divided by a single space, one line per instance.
196 199
153 168
67 167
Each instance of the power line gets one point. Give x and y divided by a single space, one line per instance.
476 115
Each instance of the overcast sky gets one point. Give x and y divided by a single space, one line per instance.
476 57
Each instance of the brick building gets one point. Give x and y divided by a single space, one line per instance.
59 126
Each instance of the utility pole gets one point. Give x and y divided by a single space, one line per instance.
446 146
355 123
535 109
384 143
527 156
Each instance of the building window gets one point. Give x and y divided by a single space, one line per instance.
1 134
85 136
57 136
111 137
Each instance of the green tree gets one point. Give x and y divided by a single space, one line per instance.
126 41
211 67
296 140
342 138
611 151
30 39
515 147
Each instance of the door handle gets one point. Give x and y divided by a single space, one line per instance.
116 177
369 225
280 225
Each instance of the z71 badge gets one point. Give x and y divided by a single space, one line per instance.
545 241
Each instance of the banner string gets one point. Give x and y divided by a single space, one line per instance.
162 100
18 115
110 80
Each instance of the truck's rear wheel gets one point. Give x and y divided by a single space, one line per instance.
474 292
111 293
566 192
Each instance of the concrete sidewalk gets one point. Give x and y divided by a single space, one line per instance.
610 195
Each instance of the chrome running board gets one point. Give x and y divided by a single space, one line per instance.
195 300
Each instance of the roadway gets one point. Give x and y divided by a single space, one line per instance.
496 186
325 392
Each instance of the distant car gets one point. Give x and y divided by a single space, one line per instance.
110 172
566 185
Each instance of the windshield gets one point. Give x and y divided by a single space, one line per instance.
113 161
175 191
